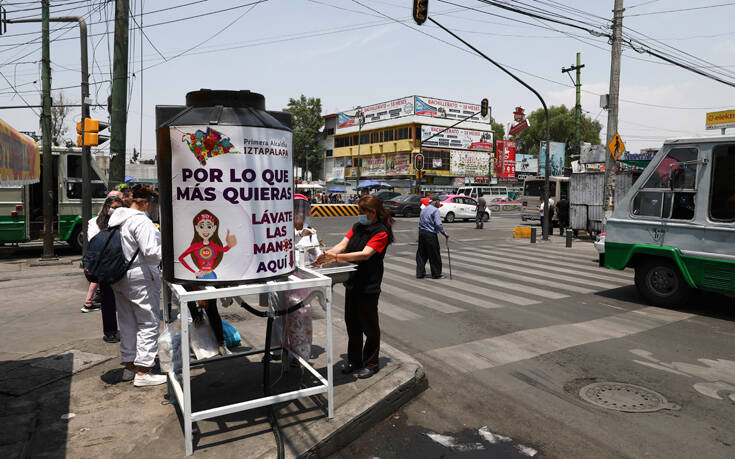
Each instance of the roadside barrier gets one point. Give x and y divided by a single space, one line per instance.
334 210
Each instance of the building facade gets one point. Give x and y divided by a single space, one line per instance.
383 148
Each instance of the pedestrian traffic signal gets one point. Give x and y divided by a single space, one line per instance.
88 136
420 11
483 108
418 161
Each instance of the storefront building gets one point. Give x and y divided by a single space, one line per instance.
384 147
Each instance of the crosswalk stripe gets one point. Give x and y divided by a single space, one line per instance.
576 272
564 254
418 300
554 274
546 260
557 250
531 280
386 308
448 294
510 285
527 344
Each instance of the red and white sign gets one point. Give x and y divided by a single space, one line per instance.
519 115
505 158
518 128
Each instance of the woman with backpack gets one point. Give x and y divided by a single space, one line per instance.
109 312
138 293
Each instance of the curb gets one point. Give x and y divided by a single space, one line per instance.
359 424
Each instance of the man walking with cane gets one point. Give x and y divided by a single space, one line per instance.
430 224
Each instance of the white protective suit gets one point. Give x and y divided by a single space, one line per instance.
138 293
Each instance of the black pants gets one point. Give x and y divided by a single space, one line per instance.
361 317
563 222
215 321
109 310
479 219
428 250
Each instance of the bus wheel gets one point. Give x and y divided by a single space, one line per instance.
660 283
75 241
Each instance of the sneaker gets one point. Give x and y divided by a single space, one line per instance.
149 379
366 373
89 307
114 338
128 375
222 349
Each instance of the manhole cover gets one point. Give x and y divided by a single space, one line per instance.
625 397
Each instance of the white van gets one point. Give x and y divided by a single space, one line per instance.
489 192
533 189
676 225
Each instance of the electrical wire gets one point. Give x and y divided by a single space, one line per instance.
683 9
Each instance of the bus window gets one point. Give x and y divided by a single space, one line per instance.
536 188
722 192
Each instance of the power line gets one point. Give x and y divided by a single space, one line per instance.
683 9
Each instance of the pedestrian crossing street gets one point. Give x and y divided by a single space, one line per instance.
511 276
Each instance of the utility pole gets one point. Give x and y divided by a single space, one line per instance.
612 114
578 106
48 170
118 106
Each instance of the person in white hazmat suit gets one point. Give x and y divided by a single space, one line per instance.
293 331
138 293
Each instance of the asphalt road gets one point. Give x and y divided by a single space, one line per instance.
521 329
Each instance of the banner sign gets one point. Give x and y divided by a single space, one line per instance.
378 112
526 163
232 202
448 109
398 164
505 159
556 156
470 163
20 159
373 165
720 120
436 163
457 139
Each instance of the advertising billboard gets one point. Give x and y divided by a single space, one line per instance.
720 120
526 163
398 164
505 159
448 109
20 160
469 163
556 156
373 165
457 139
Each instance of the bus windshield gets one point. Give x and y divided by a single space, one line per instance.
536 188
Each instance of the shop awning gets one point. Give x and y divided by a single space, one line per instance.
20 160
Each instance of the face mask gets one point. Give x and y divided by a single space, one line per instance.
363 220
110 211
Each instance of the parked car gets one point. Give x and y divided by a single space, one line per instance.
455 206
386 195
407 205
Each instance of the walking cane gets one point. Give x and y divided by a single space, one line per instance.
449 259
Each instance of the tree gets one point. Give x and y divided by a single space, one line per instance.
561 121
59 114
498 131
307 120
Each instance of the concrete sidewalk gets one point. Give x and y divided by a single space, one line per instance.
61 394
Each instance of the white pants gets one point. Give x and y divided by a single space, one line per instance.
138 298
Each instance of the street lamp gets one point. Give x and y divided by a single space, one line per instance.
360 122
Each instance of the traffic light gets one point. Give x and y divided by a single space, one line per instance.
483 108
90 137
420 11
418 162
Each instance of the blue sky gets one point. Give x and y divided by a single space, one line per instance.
349 53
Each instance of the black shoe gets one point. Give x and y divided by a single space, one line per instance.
349 369
440 276
366 373
114 338
421 277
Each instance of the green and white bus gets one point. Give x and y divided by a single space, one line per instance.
676 225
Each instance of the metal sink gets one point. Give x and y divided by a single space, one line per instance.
338 271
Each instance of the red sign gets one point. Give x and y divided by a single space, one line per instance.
505 158
518 128
519 115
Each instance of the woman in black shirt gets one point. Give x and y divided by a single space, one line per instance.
365 244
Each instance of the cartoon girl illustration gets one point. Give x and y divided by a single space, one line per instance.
206 247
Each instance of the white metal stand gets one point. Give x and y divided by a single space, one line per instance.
180 296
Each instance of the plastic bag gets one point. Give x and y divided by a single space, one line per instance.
202 339
169 350
232 336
